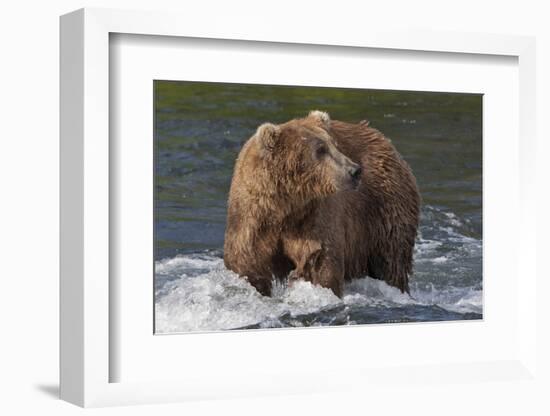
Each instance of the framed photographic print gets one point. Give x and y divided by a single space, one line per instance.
231 228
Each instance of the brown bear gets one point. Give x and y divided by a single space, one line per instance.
324 201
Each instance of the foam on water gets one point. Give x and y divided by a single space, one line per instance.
195 292
219 299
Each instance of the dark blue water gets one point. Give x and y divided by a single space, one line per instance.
200 129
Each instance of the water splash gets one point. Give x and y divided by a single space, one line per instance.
195 292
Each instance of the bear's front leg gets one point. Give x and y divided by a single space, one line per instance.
330 274
304 254
262 284
320 269
299 273
305 268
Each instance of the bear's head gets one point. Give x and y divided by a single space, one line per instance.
303 160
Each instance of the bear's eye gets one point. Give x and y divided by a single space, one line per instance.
321 151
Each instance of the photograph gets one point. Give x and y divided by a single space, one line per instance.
283 206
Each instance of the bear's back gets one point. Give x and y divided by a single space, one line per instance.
386 205
385 172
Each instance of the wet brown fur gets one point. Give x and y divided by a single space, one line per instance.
290 214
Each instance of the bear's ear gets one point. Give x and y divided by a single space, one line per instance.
268 134
320 117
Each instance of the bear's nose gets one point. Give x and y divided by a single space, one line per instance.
355 172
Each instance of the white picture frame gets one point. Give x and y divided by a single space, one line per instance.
86 306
